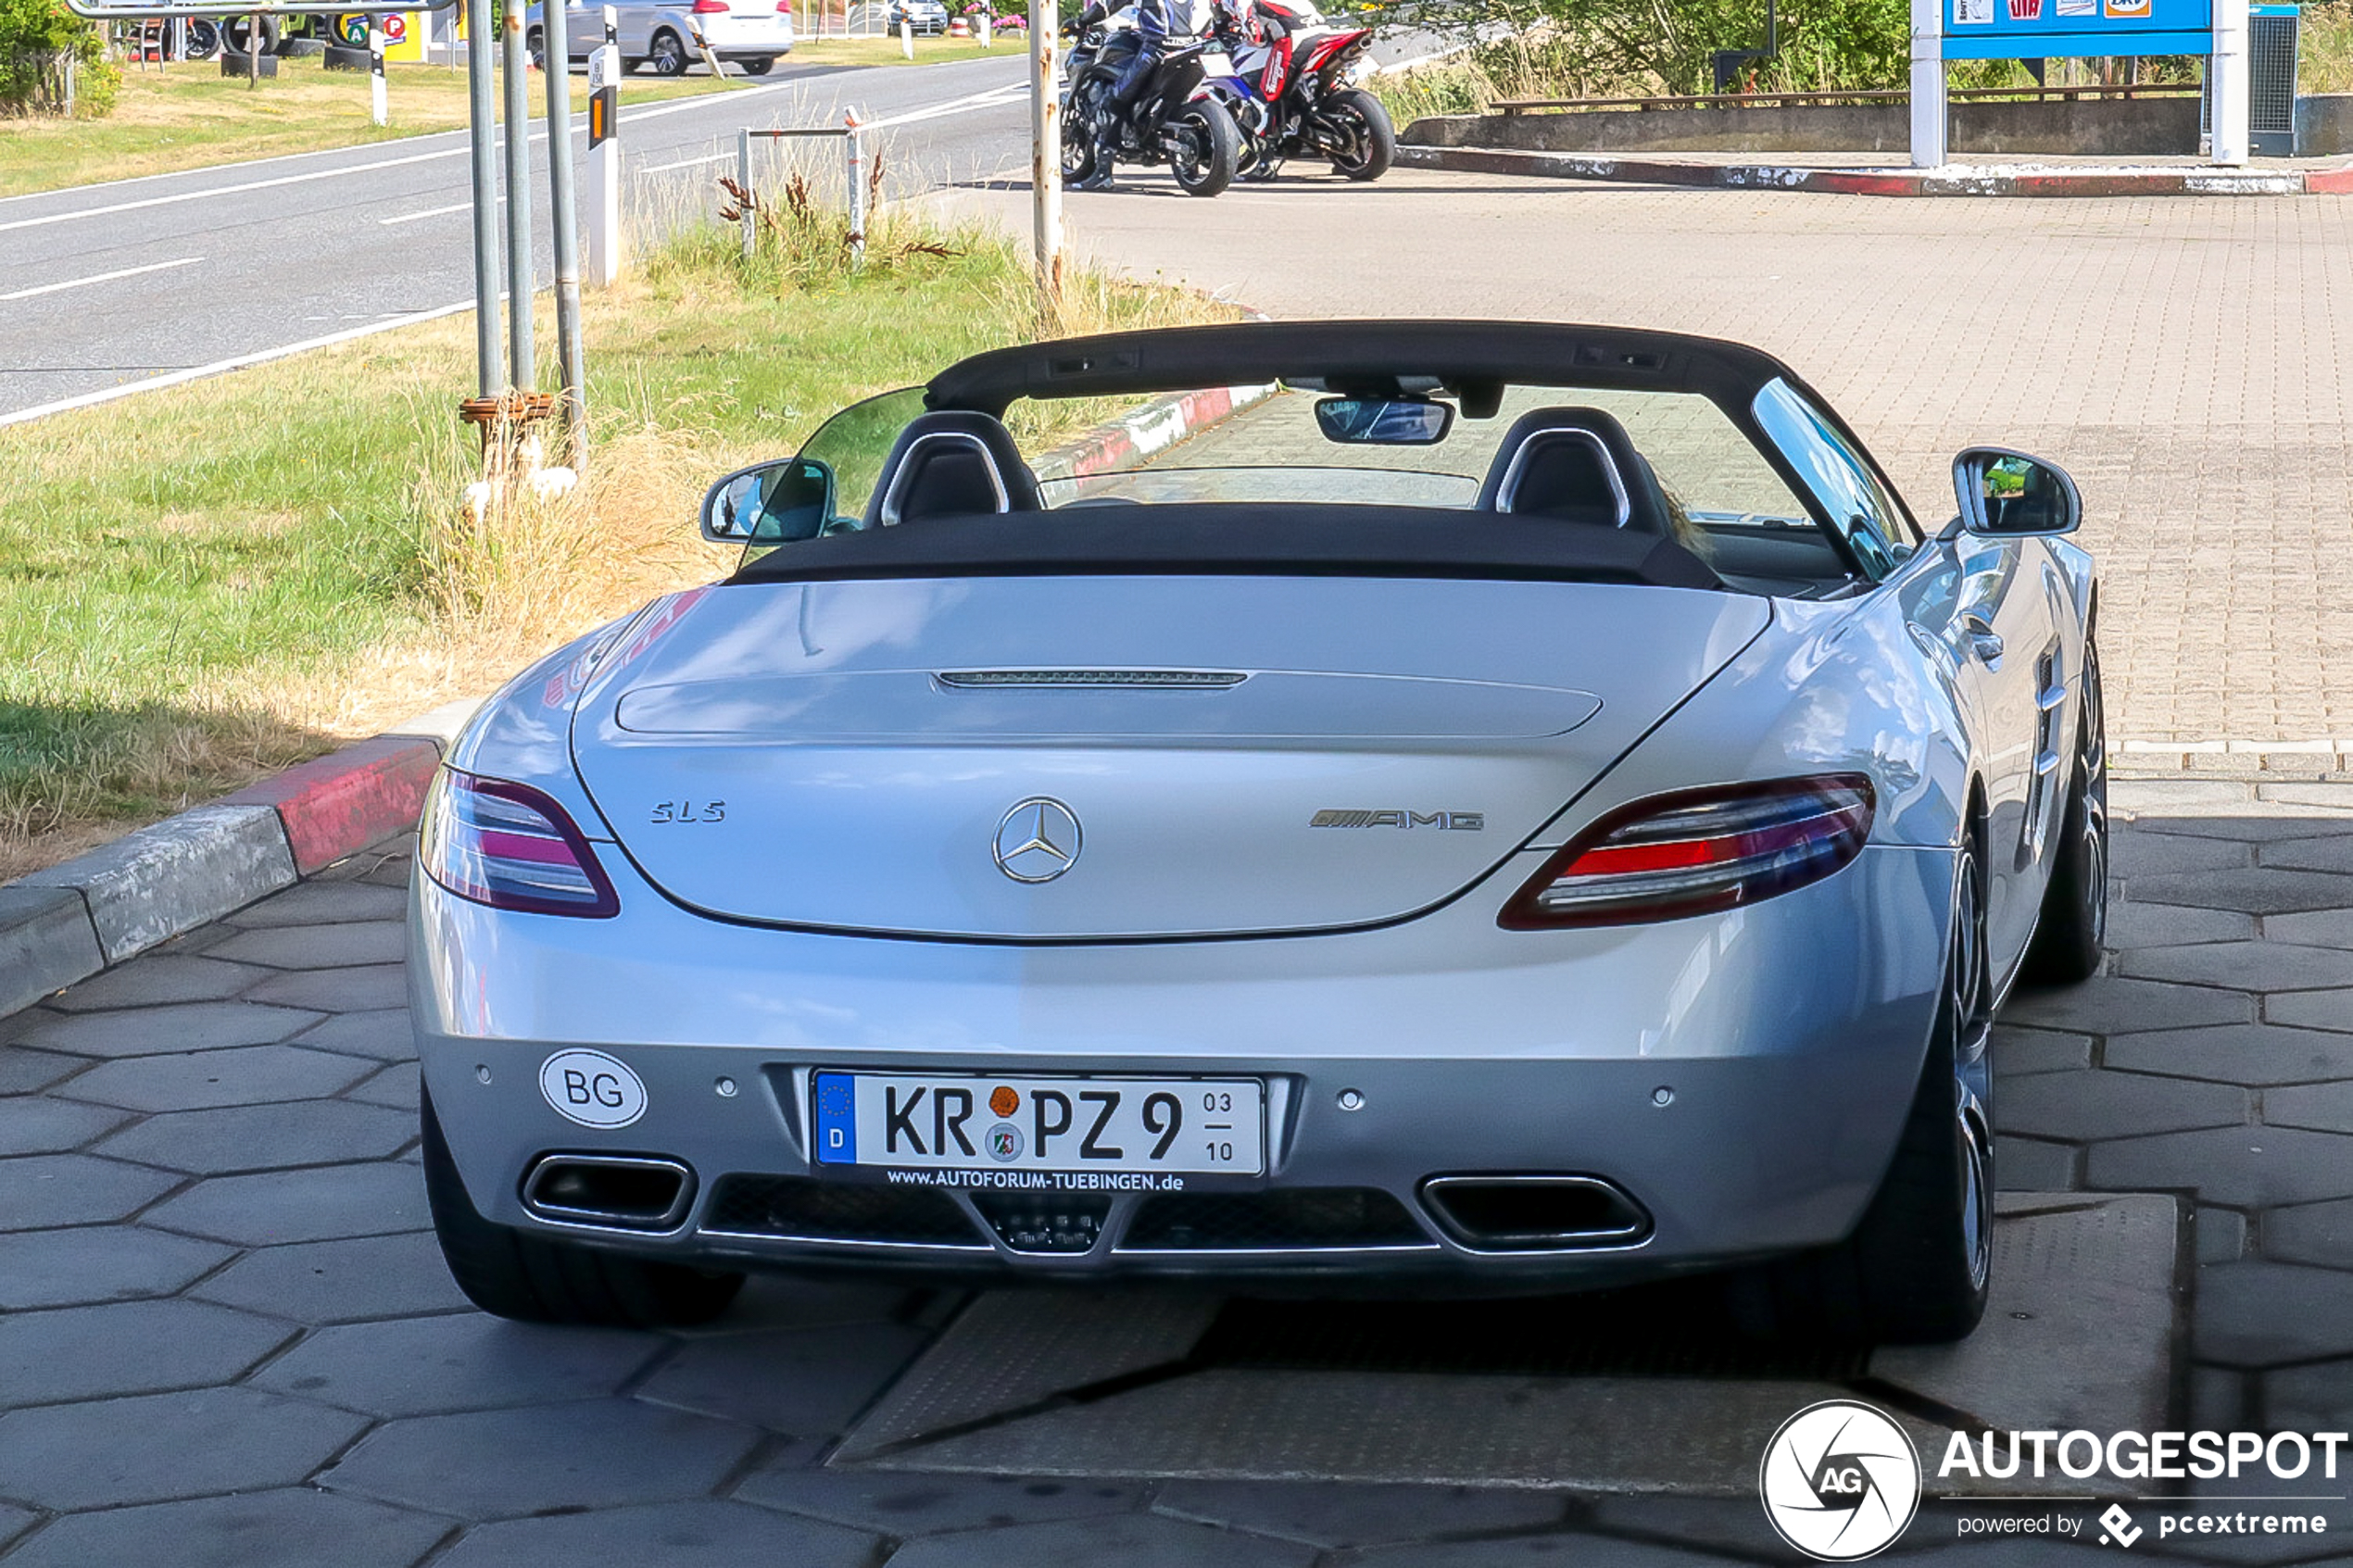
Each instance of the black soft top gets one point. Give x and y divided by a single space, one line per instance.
1255 539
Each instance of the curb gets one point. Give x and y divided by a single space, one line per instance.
1990 180
1158 425
68 922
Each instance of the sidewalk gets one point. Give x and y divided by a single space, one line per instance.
1875 174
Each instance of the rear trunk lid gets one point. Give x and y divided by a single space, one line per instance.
1077 758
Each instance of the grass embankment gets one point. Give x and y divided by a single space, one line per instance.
203 585
937 50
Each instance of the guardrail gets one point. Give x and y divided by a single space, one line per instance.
1896 96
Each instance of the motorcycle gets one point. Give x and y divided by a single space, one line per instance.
1291 93
1173 118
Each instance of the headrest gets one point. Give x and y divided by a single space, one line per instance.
1575 464
951 465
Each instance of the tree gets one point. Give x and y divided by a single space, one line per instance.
1667 45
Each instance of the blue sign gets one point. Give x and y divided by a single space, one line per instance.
837 1137
2010 30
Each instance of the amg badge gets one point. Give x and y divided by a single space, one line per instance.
1451 822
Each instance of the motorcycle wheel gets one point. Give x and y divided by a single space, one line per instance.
1081 145
1208 149
1367 141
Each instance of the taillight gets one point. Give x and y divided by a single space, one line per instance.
509 845
1698 852
709 8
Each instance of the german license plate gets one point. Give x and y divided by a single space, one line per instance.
1052 1135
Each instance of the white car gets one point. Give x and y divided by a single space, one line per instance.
751 33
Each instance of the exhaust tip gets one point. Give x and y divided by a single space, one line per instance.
1535 1213
615 1191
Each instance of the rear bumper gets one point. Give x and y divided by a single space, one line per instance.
1788 1039
734 38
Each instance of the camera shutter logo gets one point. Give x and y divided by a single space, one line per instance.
1841 1481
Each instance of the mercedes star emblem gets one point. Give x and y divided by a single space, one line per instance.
1037 841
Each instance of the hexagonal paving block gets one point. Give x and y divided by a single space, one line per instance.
807 1382
322 902
38 1191
187 1026
41 1125
2312 1010
384 1034
87 1264
2237 1167
2308 1399
1734 1525
103 1452
2313 928
358 989
902 1505
292 1528
673 1534
2221 1235
2321 1233
158 978
2254 1313
2332 853
2325 1107
1337 1514
2133 853
498 1464
318 946
2251 826
2270 965
326 1281
2237 1053
1589 1552
2132 926
312 1204
246 1076
397 1087
128 1347
2098 1104
466 1361
2258 890
2020 1051
264 1138
2031 1165
2107 1003
1123 1541
803 1301
24 1071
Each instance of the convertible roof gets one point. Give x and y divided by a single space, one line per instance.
1514 352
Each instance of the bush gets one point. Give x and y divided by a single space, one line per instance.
39 40
1639 47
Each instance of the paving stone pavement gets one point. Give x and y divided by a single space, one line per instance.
226 1336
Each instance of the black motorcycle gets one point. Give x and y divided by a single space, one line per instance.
1170 120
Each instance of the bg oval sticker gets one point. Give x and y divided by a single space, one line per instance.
591 1088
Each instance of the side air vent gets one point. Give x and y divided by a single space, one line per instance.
1179 679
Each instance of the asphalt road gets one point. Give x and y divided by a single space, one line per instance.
109 284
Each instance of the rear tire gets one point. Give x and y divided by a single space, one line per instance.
1205 166
2073 928
1371 135
1082 145
511 1273
760 67
1917 1269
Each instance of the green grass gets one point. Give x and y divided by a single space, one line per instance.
203 584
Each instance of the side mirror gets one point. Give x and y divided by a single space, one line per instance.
2008 495
1384 421
774 503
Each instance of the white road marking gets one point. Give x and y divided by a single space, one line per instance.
220 367
432 212
685 163
101 278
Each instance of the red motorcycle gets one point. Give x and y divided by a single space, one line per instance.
1292 92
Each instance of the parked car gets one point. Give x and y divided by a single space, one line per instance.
752 34
1518 807
921 15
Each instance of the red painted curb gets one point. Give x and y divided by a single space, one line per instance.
2329 183
342 802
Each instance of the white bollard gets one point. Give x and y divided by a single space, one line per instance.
2227 70
906 36
1928 84
988 31
604 164
379 111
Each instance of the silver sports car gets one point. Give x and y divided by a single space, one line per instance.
1449 807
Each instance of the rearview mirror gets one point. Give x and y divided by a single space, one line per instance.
1384 421
2009 494
774 503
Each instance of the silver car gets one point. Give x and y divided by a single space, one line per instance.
1507 807
752 34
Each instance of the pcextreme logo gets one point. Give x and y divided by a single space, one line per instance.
1841 1481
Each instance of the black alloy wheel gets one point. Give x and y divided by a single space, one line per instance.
2072 932
1364 142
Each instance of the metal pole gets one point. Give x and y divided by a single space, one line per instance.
746 202
2232 91
521 372
378 112
855 142
562 198
1046 150
483 119
252 51
604 160
1928 84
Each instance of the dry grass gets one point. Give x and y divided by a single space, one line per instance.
181 613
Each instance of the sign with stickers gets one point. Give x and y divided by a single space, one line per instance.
2006 29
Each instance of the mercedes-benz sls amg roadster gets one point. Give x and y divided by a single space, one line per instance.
1432 808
